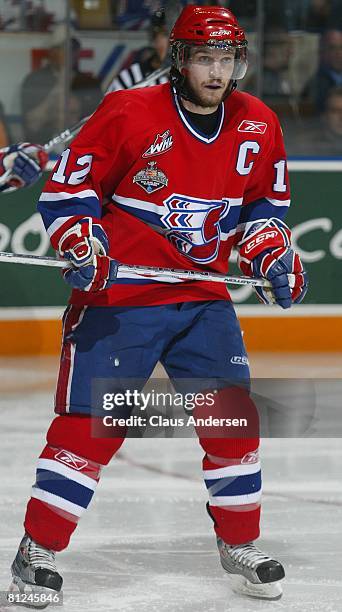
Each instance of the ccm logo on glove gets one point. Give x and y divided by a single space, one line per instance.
259 240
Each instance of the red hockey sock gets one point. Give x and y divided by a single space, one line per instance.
68 471
231 468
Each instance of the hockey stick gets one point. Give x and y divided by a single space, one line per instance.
167 274
66 135
70 133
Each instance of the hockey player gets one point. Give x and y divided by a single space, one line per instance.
170 176
21 165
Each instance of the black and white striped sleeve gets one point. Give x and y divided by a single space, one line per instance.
133 75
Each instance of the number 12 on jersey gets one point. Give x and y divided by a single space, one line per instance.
77 176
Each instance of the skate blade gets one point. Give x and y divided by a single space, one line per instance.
242 586
26 593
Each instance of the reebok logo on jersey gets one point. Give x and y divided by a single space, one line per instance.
239 360
256 127
259 240
71 460
162 143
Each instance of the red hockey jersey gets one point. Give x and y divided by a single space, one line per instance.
168 195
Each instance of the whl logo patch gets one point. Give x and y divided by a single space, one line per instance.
76 463
252 127
162 143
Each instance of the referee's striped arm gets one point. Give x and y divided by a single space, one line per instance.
131 76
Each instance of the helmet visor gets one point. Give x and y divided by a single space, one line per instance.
231 58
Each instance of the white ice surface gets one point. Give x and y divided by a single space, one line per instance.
147 544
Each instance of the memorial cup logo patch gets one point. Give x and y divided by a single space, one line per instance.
151 178
194 225
162 143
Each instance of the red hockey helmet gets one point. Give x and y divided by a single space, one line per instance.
200 25
212 26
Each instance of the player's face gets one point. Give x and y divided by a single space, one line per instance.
208 73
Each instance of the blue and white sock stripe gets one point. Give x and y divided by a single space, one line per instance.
64 470
237 500
235 489
59 485
235 485
57 502
232 470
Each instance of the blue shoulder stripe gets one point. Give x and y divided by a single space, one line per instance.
50 211
263 209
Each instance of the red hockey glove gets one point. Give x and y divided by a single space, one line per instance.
97 276
23 165
82 242
265 251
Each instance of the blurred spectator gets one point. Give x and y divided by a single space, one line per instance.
330 140
43 92
329 74
147 59
323 14
317 15
320 136
277 54
25 15
305 15
277 90
136 14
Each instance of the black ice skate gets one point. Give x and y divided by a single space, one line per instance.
251 572
34 573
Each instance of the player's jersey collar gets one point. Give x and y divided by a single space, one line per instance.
195 131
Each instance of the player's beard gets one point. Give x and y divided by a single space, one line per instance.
205 100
